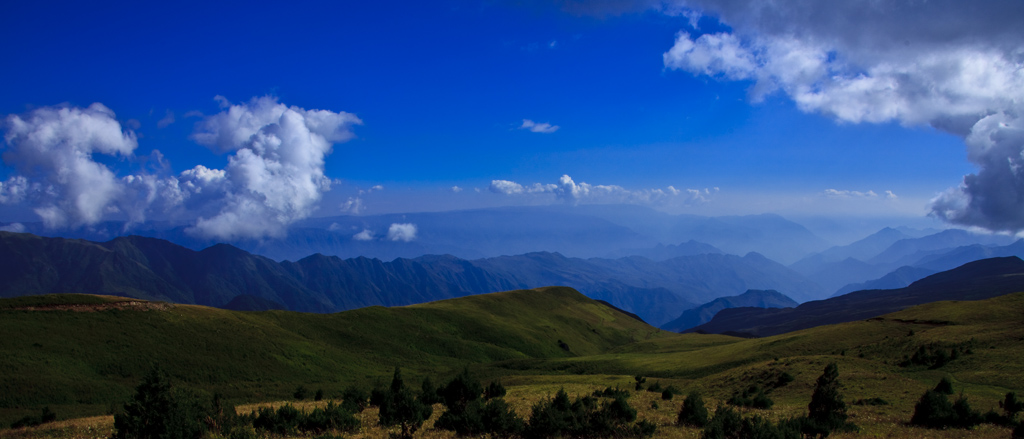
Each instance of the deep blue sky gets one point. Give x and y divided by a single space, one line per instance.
442 89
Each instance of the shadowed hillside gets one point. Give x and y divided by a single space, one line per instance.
95 355
974 281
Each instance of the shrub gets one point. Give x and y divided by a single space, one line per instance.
784 379
558 417
155 411
656 387
31 421
728 424
669 392
461 390
639 382
1010 405
753 397
319 395
354 400
945 386
725 424
429 393
477 418
494 390
871 401
965 417
300 393
399 408
933 410
609 392
332 417
693 413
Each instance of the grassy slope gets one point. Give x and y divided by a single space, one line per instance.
85 361
518 337
868 354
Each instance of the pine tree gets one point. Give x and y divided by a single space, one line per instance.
399 407
144 417
827 411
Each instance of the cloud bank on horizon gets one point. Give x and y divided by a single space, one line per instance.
274 175
956 66
570 192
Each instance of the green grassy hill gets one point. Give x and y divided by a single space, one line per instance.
83 361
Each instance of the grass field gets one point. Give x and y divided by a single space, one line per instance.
85 363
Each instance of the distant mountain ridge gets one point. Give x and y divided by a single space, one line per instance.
704 313
154 269
577 231
973 281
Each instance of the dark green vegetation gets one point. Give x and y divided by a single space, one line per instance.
973 281
83 362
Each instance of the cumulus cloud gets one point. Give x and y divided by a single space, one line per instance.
955 66
569 191
367 235
535 127
274 174
456 189
506 187
404 232
52 150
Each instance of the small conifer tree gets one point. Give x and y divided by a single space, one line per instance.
827 411
400 408
693 413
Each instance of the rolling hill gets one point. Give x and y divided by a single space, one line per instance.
85 350
973 281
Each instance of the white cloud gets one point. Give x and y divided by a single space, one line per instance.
570 192
14 189
13 228
456 189
353 205
402 232
535 127
367 235
506 187
275 175
846 193
52 149
957 66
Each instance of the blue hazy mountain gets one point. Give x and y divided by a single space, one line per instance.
704 313
575 231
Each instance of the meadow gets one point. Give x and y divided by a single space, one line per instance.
83 365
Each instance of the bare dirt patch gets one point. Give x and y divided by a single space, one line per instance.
126 305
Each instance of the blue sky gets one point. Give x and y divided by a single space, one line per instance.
443 90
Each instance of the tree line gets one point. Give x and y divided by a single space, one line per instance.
158 410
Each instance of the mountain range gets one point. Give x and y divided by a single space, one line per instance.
583 231
704 313
154 269
973 281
